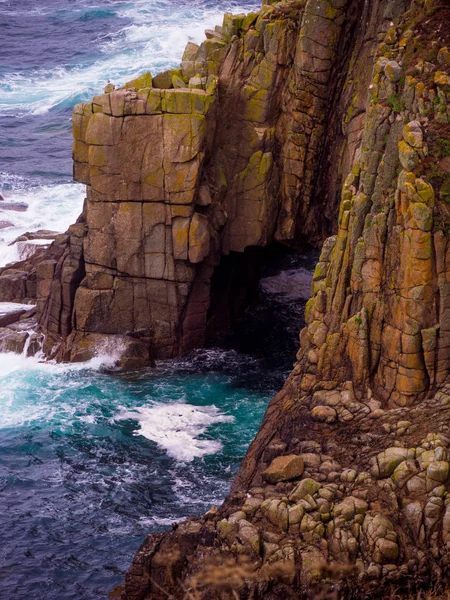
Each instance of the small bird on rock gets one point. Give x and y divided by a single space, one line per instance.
110 87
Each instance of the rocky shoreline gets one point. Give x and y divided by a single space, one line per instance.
309 119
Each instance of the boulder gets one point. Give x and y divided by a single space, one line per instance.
305 487
324 414
14 206
386 462
284 468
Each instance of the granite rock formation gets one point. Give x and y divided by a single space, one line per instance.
225 155
344 491
311 120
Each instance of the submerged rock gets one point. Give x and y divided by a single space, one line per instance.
14 206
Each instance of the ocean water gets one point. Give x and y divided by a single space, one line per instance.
91 460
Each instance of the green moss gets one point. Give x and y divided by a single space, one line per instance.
352 108
309 310
396 103
443 147
331 12
249 21
144 81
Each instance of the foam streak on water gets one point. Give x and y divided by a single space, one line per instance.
148 35
50 207
176 428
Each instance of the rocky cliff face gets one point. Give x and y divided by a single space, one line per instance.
307 119
234 156
345 488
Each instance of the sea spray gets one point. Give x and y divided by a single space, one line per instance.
142 36
177 427
49 207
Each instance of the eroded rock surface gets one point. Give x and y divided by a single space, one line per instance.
225 155
365 410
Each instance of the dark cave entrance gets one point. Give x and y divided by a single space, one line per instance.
258 299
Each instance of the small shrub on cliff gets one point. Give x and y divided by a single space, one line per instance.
443 147
396 103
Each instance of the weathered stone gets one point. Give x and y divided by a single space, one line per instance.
199 238
393 70
413 135
305 487
324 414
143 81
386 551
443 56
276 511
190 51
438 471
249 536
386 462
305 106
284 468
296 514
441 78
408 156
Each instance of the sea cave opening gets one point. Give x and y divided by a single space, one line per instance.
258 300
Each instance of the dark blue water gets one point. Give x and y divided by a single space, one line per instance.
91 461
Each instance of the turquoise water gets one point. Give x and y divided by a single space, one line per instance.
92 460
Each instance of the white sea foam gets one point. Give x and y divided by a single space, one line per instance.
177 427
52 207
160 521
12 363
154 41
33 390
10 307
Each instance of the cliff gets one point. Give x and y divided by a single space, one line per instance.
232 157
344 490
309 119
